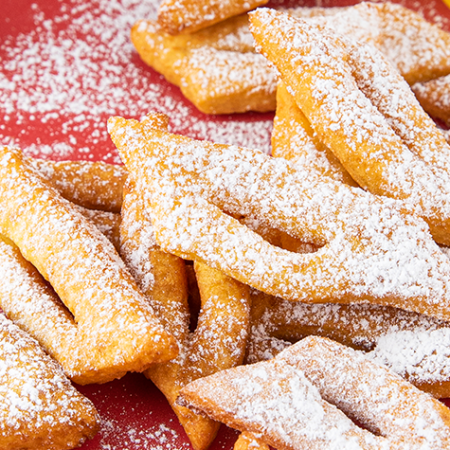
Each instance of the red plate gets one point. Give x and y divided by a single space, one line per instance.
65 67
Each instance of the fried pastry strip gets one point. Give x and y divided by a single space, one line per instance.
410 344
294 139
107 222
333 88
377 398
39 408
94 185
192 182
213 77
187 16
220 337
418 49
248 441
276 401
258 397
434 96
113 318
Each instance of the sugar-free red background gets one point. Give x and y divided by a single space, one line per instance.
101 80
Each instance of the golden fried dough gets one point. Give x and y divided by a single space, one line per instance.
193 182
209 72
367 392
278 400
413 345
107 222
39 408
434 96
248 441
110 315
373 124
294 139
187 16
220 338
418 49
275 400
94 185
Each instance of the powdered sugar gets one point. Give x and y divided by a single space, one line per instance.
189 181
277 401
75 69
30 384
371 394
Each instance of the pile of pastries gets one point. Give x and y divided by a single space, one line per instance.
303 297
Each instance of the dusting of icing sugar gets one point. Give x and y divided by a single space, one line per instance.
114 436
30 383
436 94
413 345
80 263
346 120
137 240
249 183
78 67
221 71
420 355
275 399
376 397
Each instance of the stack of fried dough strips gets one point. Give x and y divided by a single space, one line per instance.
93 302
218 70
39 408
418 336
220 337
186 181
348 94
413 345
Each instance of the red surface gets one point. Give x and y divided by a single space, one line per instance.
134 413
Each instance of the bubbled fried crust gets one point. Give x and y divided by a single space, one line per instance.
39 406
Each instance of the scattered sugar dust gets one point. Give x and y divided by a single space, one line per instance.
158 437
61 81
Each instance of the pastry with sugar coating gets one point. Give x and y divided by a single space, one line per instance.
193 182
294 139
39 408
248 441
215 70
364 112
434 96
93 185
413 345
187 16
220 337
275 400
377 398
418 49
108 313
